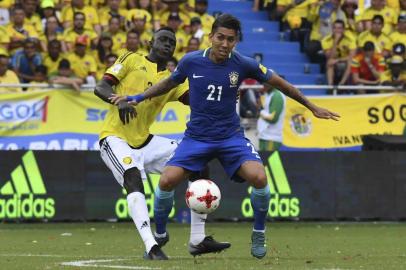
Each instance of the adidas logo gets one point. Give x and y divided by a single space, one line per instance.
282 203
144 225
19 196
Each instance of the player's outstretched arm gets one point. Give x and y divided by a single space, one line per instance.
158 89
294 93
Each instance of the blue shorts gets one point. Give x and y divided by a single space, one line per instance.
193 155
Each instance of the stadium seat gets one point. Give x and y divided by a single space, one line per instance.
265 36
248 15
221 5
283 68
260 26
268 46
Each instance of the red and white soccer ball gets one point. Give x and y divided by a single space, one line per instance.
203 196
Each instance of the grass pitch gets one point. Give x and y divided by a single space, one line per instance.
290 246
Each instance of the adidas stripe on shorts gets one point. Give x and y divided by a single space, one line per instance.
119 156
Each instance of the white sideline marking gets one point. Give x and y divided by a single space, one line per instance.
94 263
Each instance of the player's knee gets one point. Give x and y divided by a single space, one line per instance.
133 181
259 180
166 183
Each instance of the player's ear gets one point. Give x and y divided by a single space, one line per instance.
211 36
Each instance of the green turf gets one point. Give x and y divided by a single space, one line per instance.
291 246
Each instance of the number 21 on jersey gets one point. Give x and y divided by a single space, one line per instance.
215 92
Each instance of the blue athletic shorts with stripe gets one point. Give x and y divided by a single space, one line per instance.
193 155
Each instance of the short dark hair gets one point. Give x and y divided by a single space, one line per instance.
227 21
54 42
165 28
78 13
133 31
340 22
41 69
368 46
378 17
65 64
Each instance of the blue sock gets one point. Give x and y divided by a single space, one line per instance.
162 207
260 204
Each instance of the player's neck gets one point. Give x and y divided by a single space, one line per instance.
214 59
160 64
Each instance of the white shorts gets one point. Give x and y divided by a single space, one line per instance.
151 158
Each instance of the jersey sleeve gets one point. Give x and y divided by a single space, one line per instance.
257 71
120 68
180 75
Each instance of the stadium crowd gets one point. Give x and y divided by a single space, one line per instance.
72 42
355 41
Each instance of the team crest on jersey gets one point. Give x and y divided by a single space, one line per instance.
262 68
127 160
233 79
116 68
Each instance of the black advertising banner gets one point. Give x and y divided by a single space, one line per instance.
76 185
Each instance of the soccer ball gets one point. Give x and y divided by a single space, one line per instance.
203 196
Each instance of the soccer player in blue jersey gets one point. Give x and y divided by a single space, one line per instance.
214 130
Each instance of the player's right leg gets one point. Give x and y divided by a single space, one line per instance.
127 165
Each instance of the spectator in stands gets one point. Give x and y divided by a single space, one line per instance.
378 7
91 17
193 45
339 49
84 66
268 5
4 13
322 15
31 15
396 74
7 76
104 47
293 17
47 10
381 41
70 35
198 32
173 6
40 77
138 22
206 19
367 66
171 64
117 35
53 31
399 36
270 120
174 22
25 61
53 57
112 10
18 30
108 61
132 43
65 76
349 7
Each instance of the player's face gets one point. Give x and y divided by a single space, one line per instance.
164 44
223 41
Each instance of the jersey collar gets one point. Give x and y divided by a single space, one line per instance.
207 51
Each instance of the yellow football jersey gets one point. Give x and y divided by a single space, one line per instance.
135 74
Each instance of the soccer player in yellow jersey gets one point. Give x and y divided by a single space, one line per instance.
126 145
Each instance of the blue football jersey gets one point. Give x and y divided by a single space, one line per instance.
213 92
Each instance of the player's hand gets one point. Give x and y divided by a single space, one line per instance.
116 99
324 113
126 112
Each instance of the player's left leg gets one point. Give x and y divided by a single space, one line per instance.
240 160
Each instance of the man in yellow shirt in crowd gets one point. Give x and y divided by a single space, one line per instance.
79 29
378 7
54 55
92 19
7 76
112 9
339 48
83 64
138 21
375 35
399 36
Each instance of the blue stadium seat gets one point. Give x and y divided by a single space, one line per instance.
260 26
272 58
248 15
266 36
292 67
268 46
221 5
